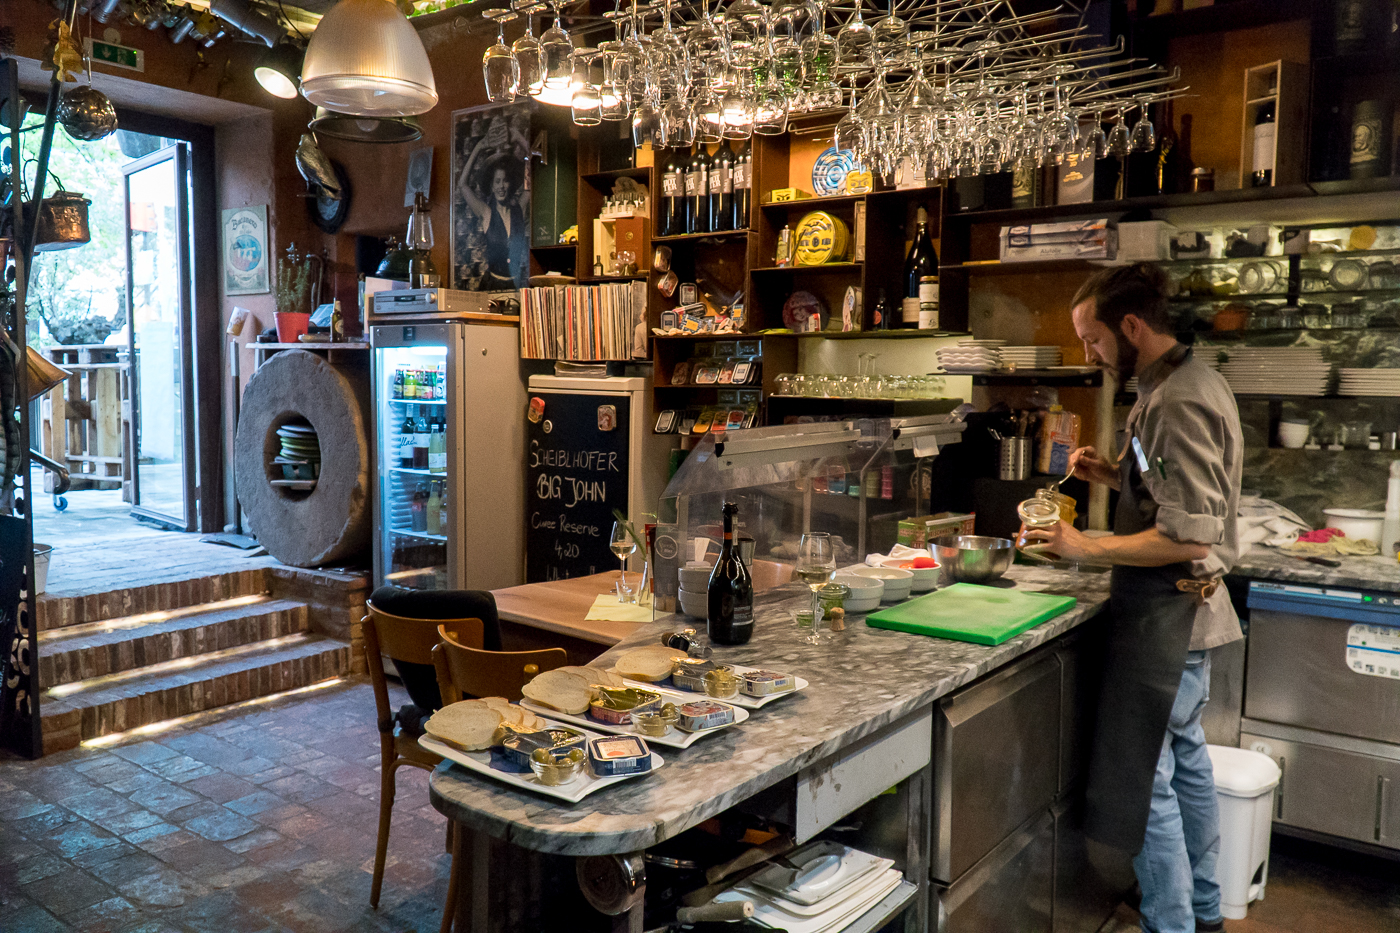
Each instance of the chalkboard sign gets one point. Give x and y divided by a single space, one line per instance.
575 475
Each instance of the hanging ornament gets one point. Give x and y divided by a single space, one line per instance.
86 114
61 54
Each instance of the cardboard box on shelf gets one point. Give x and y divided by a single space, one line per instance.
919 530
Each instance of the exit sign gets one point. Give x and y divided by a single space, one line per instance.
112 54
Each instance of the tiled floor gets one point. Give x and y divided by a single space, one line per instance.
259 820
264 819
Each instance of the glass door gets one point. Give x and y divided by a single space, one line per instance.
162 365
414 519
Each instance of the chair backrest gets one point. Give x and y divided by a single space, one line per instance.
407 640
462 669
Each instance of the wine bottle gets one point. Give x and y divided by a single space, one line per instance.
880 316
722 188
731 591
407 436
1265 138
921 261
697 191
672 197
421 439
743 187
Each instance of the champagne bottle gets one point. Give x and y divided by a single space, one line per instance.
697 191
731 591
722 188
921 261
743 187
1264 140
672 197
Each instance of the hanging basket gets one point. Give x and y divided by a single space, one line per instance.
63 220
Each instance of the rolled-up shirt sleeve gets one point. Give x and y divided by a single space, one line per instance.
1190 481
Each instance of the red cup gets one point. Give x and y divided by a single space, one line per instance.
291 325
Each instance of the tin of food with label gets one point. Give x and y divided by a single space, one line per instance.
704 714
688 672
615 705
611 755
766 683
518 747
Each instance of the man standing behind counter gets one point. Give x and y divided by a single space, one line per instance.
1151 789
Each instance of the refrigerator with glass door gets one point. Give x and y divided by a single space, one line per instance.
449 406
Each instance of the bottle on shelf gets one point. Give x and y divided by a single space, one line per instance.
697 190
443 524
743 187
437 448
1265 139
730 591
922 261
722 188
397 391
672 197
928 302
410 385
433 519
880 315
418 515
408 435
421 440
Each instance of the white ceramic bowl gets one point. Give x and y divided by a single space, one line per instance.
865 592
898 582
925 578
1292 435
696 605
1356 523
696 577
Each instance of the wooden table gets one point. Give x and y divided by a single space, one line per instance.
552 614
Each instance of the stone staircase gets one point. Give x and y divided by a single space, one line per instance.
129 657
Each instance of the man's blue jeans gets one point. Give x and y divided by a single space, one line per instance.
1176 867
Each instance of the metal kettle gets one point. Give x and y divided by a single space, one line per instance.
63 220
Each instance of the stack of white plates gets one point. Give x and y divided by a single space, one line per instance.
1377 382
1030 357
969 359
827 888
1276 371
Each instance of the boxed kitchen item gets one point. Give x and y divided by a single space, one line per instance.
919 530
1074 180
1145 241
1080 239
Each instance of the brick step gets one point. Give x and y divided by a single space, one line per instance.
96 649
161 590
87 709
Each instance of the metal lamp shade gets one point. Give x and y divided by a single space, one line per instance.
366 129
43 375
365 59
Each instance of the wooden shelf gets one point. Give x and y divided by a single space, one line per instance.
691 237
1037 377
822 267
601 178
593 279
813 203
900 334
571 247
1020 268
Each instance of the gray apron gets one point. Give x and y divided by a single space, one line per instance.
1149 634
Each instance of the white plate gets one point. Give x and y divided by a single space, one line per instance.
676 738
742 699
585 784
836 868
969 370
842 916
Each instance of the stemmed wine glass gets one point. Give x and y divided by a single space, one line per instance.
1144 137
499 69
855 41
623 546
816 564
558 51
1119 144
529 54
585 101
891 37
1096 140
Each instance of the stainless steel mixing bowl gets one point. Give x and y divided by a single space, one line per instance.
973 558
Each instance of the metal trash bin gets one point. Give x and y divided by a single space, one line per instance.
1244 786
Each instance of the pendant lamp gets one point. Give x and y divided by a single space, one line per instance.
365 59
366 129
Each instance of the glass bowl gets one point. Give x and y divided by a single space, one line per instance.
721 684
655 723
555 770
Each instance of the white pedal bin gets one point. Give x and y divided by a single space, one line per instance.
1244 786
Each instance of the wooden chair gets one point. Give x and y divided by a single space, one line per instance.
412 641
463 669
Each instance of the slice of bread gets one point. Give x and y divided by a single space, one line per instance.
517 717
470 724
598 676
649 663
559 689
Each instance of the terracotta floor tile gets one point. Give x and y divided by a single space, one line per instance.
299 788
200 857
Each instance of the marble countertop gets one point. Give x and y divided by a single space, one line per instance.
1369 573
862 682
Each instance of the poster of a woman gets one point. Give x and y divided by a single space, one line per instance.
490 199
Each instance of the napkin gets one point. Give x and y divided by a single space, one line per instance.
606 608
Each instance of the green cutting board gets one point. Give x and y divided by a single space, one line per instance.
984 615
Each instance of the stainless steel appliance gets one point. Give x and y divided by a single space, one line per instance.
450 519
1322 698
420 301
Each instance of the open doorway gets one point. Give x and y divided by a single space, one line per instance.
115 313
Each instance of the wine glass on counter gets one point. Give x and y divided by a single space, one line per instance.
816 565
623 546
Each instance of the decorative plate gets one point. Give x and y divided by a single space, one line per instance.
799 310
829 171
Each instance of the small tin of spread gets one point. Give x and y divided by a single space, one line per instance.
615 705
766 683
704 714
611 755
688 672
520 746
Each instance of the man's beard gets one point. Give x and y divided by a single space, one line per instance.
1125 367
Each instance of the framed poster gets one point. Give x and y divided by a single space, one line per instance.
490 201
245 251
420 175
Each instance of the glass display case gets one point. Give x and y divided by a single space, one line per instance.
854 479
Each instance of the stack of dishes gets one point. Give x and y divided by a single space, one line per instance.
1376 382
972 356
1030 357
695 589
821 888
300 456
1276 371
